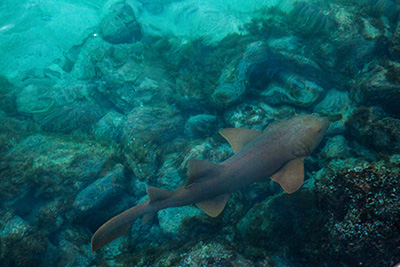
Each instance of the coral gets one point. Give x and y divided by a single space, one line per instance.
361 201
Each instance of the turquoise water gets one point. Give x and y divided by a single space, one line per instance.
101 99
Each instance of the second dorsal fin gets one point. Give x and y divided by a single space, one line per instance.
238 137
156 194
201 169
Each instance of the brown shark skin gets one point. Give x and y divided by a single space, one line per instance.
277 145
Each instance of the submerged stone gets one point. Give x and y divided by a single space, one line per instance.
109 126
373 129
51 166
200 125
120 24
335 102
171 219
143 133
361 204
14 226
268 225
336 147
101 192
379 85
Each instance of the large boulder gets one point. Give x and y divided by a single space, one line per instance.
120 24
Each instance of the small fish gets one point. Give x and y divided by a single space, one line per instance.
278 152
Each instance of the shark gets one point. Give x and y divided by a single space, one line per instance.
278 152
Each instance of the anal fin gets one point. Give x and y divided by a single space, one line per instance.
213 207
291 175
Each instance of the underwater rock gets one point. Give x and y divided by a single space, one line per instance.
232 82
268 225
91 55
227 94
337 106
61 107
74 248
120 24
200 126
7 96
361 205
255 115
101 192
171 219
335 148
138 86
311 18
109 125
14 226
209 253
297 92
394 47
334 102
283 78
143 133
169 177
38 35
20 243
379 84
373 129
52 167
35 97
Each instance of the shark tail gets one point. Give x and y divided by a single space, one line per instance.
120 225
117 226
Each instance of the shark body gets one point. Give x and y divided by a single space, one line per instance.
278 152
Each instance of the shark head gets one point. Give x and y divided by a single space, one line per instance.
315 129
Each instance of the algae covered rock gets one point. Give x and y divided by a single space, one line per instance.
270 224
7 95
61 107
379 84
101 192
171 219
20 243
109 126
120 24
144 131
372 128
336 147
200 125
361 202
51 166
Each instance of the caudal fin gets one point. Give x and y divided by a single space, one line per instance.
117 226
122 223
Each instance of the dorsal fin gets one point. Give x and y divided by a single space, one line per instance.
213 207
201 169
238 137
155 193
148 217
290 176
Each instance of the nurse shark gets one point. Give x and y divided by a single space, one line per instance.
277 152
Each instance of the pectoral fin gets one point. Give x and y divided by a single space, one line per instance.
290 176
213 207
238 137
